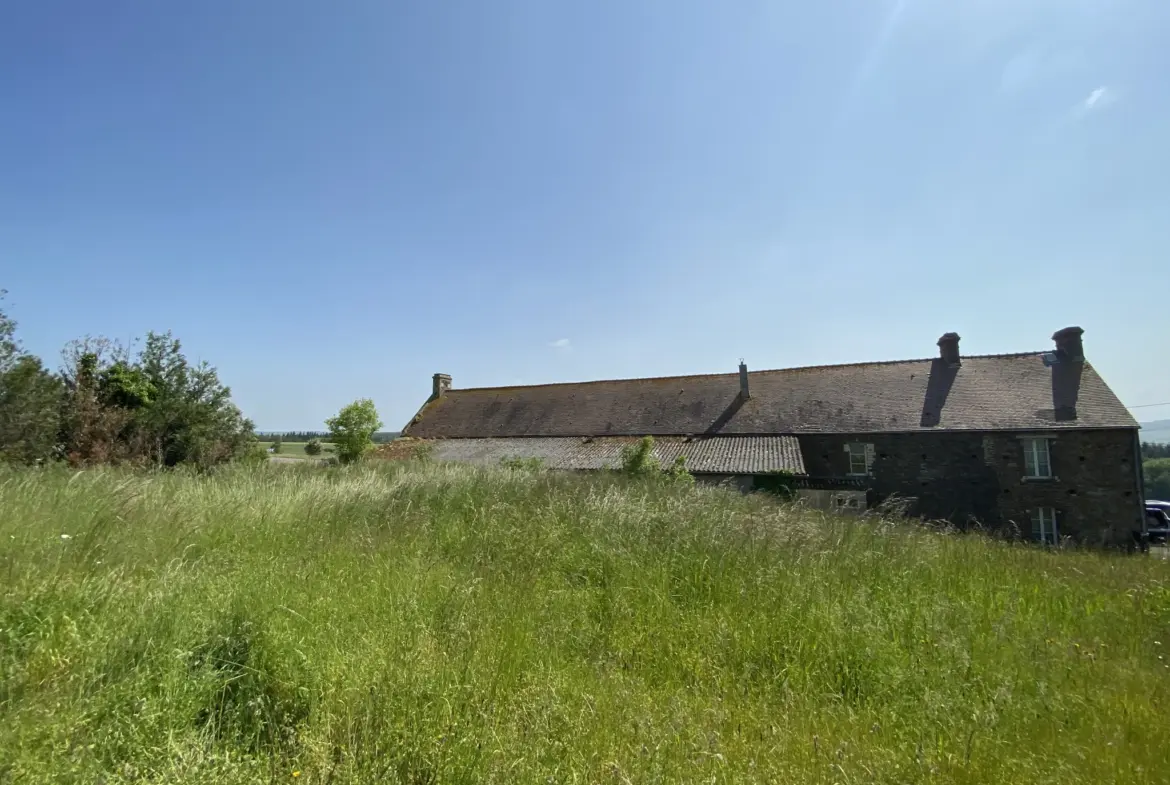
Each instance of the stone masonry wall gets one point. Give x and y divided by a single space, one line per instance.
978 476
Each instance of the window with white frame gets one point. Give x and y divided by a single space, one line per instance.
1037 461
860 459
1044 527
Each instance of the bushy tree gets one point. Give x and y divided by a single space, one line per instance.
94 429
353 428
677 472
30 399
313 447
638 459
9 348
277 445
107 407
191 417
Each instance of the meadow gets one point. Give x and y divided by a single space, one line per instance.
297 449
423 623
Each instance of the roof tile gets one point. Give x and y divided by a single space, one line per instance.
1001 392
704 455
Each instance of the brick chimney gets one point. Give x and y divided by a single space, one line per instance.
744 393
948 349
439 385
1068 344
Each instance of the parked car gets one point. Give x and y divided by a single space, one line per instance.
1157 522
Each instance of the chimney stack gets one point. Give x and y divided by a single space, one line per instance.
948 349
439 385
1068 344
744 393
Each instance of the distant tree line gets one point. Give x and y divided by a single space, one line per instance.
381 437
292 436
106 404
1151 450
1156 470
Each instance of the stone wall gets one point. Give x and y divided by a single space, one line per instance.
978 476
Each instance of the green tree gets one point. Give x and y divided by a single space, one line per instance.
9 348
190 417
313 447
1157 477
353 428
677 472
93 428
638 459
30 419
30 400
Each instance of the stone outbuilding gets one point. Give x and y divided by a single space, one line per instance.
1035 440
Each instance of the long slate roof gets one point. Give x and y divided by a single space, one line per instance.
992 392
715 454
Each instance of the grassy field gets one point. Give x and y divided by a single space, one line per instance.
297 449
432 624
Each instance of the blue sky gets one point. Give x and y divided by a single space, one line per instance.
336 200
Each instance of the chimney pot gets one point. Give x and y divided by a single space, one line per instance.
948 349
1069 345
440 383
743 381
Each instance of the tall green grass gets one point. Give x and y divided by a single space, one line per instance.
428 624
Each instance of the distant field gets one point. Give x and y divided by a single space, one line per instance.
417 622
297 449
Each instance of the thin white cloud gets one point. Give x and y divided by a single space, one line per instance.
561 344
1098 99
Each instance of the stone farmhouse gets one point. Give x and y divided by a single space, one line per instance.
1034 441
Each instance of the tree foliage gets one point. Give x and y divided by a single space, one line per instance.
353 428
9 348
638 460
30 416
780 483
313 447
30 399
106 406
1157 478
1153 450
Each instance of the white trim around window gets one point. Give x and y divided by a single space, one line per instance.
860 458
1037 458
1044 526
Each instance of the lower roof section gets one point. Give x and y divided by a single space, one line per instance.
703 455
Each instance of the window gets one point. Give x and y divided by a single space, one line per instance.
1037 463
1044 525
860 459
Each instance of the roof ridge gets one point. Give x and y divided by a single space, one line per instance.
732 374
